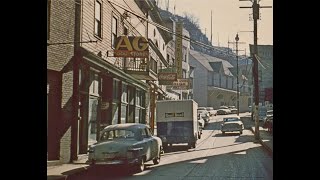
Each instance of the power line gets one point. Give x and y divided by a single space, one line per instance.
210 47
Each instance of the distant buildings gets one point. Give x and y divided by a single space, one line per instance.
265 73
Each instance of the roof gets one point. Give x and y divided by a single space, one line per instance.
126 126
212 63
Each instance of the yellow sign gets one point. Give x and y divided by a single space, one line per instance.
178 49
131 46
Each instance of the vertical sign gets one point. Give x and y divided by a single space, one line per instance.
178 49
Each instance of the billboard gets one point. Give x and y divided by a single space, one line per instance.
167 78
131 46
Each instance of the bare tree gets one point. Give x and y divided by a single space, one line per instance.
192 19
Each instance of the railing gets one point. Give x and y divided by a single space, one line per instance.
140 65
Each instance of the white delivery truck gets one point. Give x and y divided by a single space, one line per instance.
177 122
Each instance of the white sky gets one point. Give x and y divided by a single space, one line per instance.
227 19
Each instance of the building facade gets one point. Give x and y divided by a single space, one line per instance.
215 82
265 73
89 86
60 18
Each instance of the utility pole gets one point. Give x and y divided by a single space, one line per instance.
255 14
211 29
237 50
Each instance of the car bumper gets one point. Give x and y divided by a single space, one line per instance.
113 162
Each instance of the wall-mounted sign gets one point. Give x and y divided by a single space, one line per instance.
165 76
181 84
178 49
131 46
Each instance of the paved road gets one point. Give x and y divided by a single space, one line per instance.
216 157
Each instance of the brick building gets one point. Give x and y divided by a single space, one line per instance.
61 16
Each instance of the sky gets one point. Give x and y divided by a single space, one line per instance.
227 19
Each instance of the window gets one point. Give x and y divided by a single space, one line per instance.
97 19
124 96
125 30
154 32
94 86
184 74
115 91
114 31
168 57
123 113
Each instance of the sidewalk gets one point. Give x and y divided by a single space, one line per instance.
61 172
266 138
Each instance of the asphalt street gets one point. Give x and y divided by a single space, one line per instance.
217 156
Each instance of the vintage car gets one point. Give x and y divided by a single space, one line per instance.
231 124
212 111
233 109
204 114
129 144
223 111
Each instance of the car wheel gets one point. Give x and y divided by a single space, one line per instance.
240 132
199 136
156 160
140 166
165 146
194 145
223 133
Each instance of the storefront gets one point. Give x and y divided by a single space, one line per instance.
107 96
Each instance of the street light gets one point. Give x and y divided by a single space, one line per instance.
237 39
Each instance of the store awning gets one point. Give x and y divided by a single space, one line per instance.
102 64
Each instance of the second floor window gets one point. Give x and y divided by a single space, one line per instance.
97 19
114 31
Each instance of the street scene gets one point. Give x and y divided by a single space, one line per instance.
159 89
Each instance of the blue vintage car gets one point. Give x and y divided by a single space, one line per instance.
130 144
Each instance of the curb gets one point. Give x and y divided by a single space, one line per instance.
263 144
65 176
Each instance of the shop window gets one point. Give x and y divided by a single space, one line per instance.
115 92
124 95
114 31
115 112
97 19
123 113
94 86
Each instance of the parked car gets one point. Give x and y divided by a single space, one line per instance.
268 120
211 111
222 112
201 123
233 109
204 114
226 108
262 113
129 144
231 124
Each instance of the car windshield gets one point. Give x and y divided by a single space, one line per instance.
230 119
117 134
